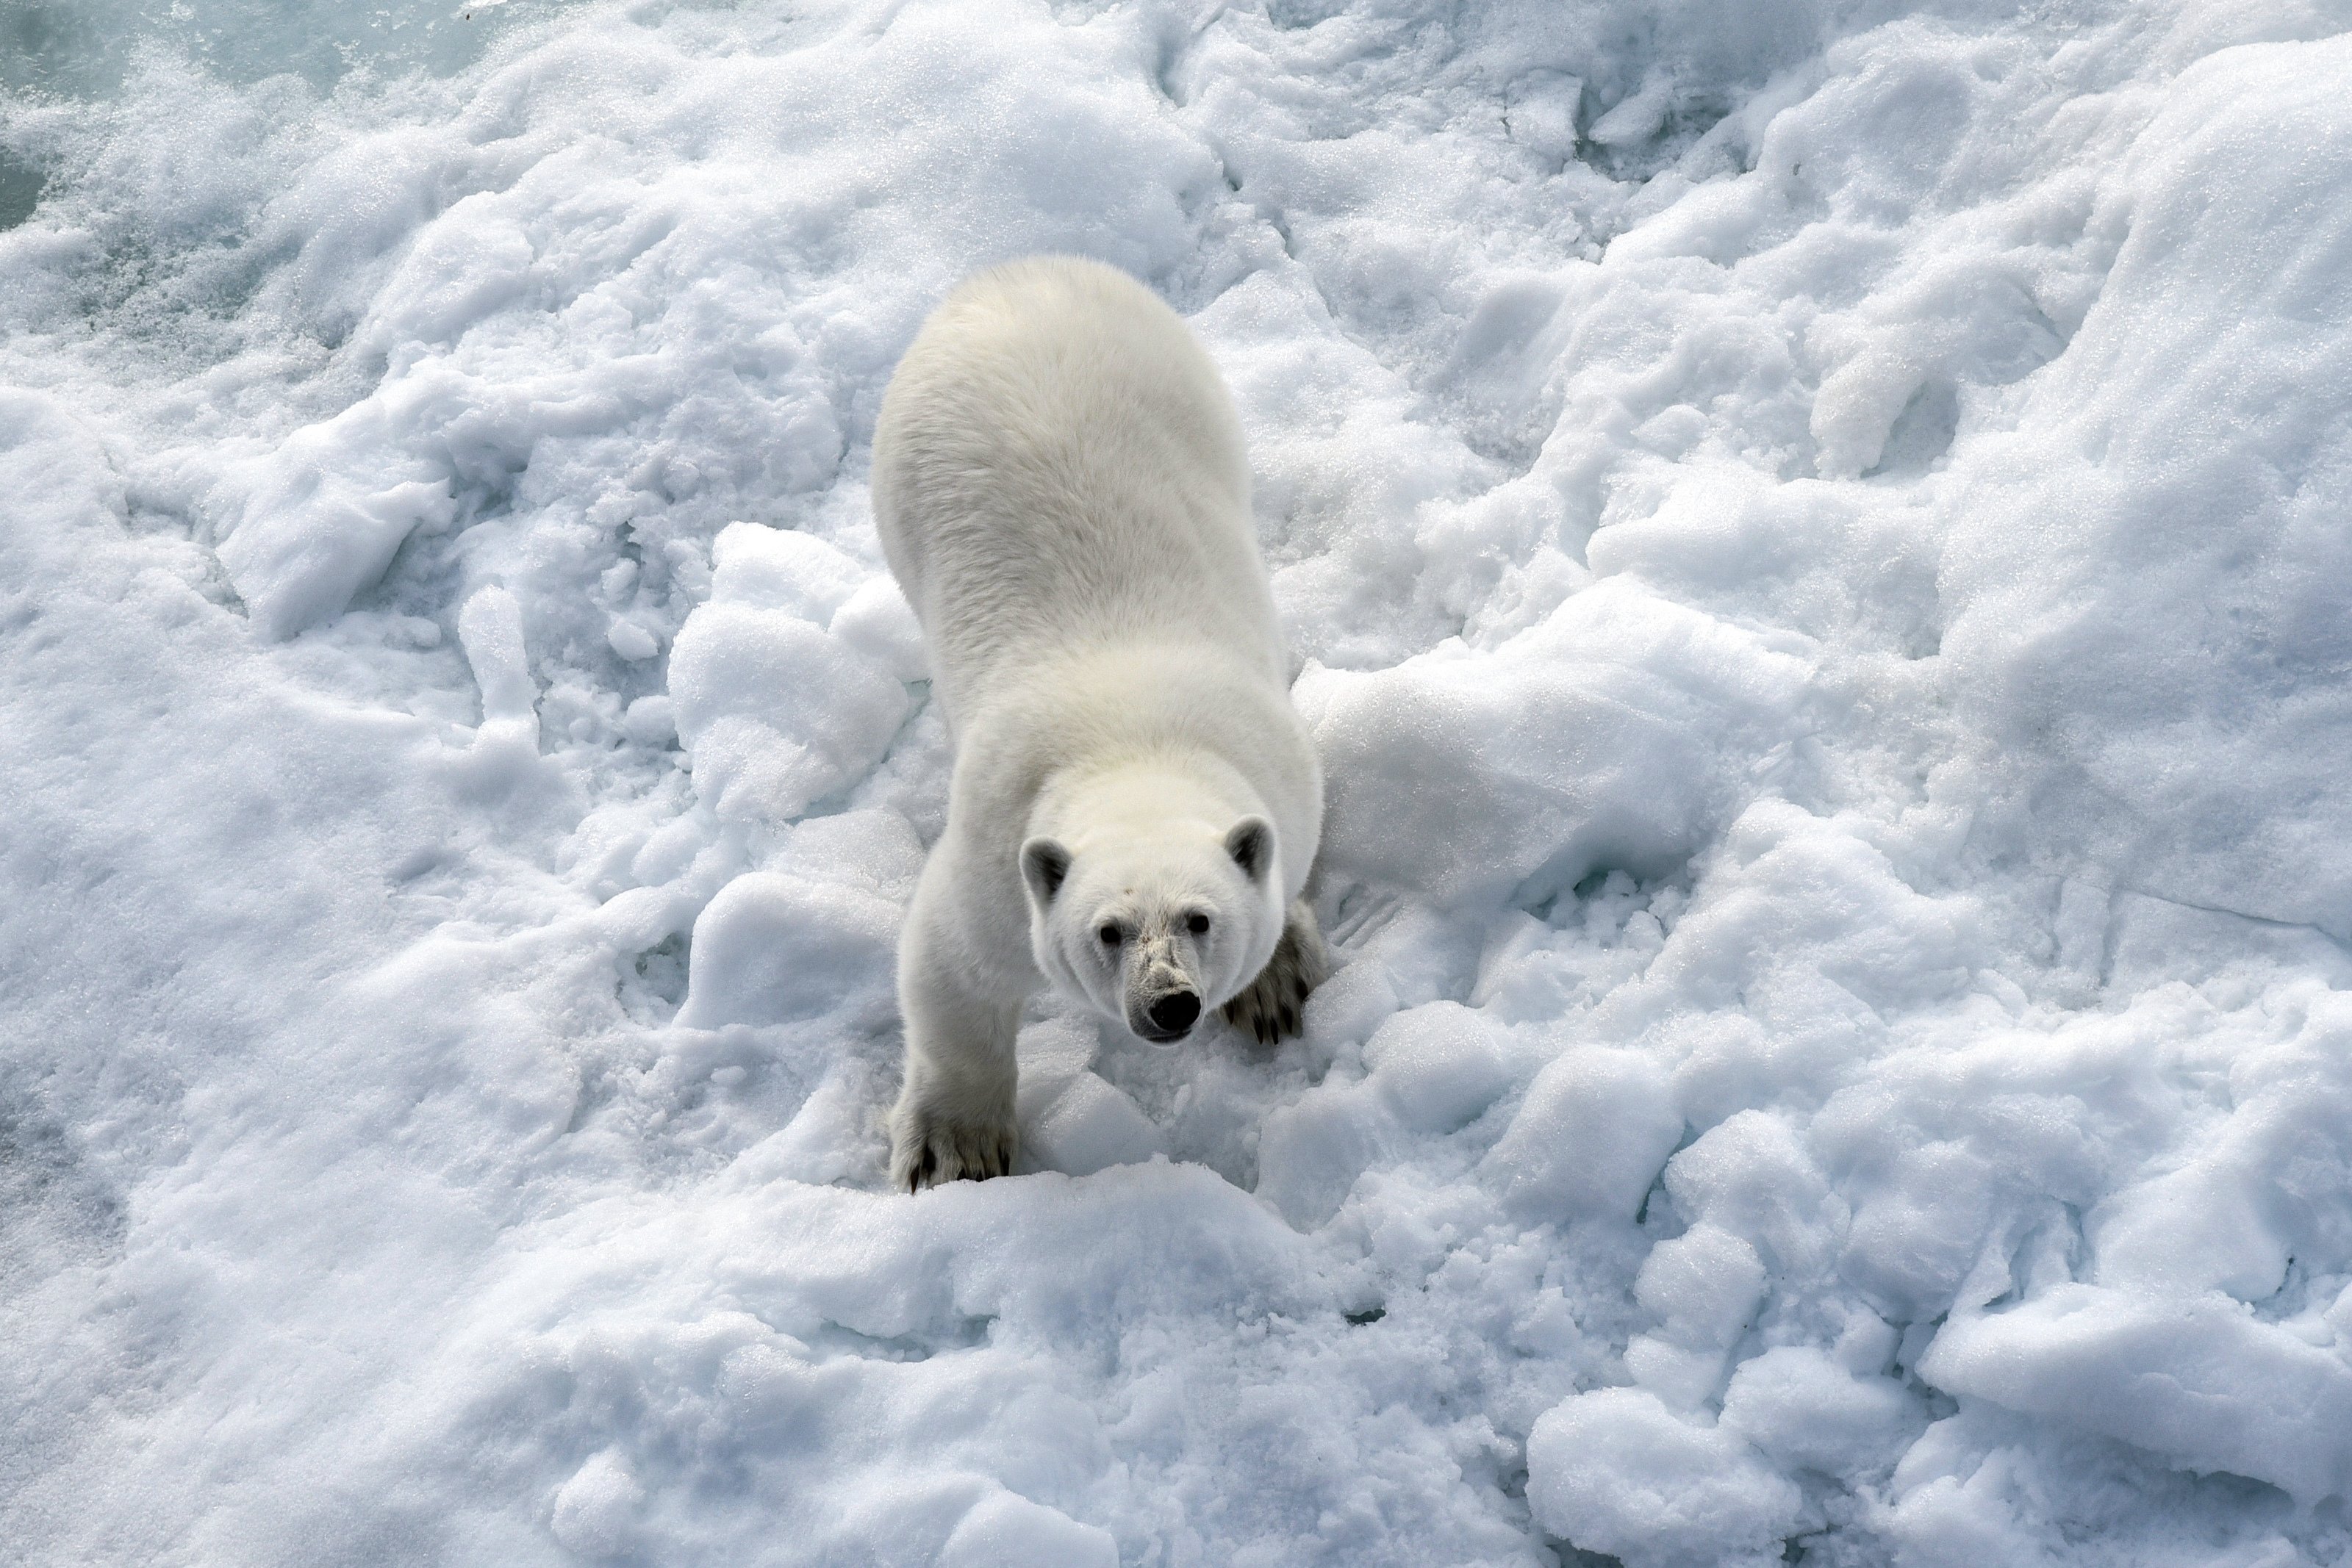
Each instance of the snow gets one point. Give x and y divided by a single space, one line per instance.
1813 537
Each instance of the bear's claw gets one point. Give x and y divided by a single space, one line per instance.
1270 1006
927 1148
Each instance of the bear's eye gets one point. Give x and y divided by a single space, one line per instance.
1198 925
1110 934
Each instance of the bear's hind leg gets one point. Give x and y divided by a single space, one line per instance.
1270 1005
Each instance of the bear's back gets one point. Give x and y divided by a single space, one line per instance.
1058 470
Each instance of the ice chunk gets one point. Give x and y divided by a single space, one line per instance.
308 540
650 721
1089 1126
771 948
1705 1284
2197 1379
1615 1471
1635 118
2206 1226
1311 1151
1005 1531
1439 1066
775 712
490 628
1598 738
782 568
878 622
594 1508
505 749
1801 1407
871 848
631 641
1589 1139
1752 1176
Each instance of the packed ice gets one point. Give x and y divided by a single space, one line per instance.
1815 536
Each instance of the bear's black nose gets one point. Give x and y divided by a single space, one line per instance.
1173 1013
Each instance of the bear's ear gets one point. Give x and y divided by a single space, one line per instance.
1043 864
1250 844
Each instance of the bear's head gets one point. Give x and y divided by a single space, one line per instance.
1155 925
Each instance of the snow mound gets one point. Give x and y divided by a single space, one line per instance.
1616 1470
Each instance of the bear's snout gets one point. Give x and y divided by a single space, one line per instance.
1172 1015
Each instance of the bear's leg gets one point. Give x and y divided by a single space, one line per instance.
954 1116
1269 1006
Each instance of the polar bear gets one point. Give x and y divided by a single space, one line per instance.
1061 490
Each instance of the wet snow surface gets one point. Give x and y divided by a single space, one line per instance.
1816 540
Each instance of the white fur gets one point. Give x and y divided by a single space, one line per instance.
1060 486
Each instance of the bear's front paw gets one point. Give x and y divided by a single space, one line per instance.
1270 1006
928 1146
